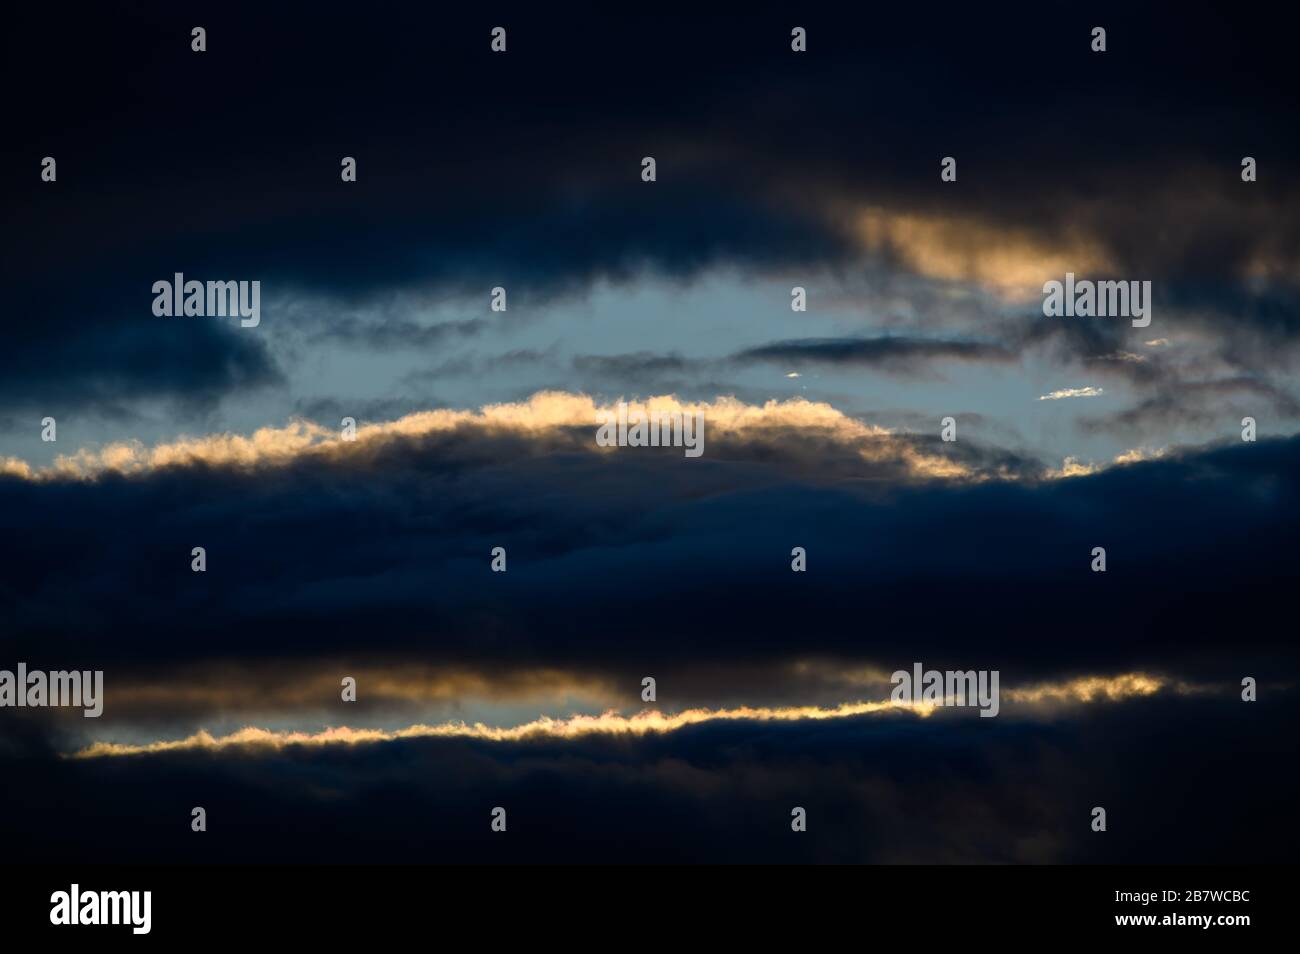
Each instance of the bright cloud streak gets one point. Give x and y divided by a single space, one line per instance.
1087 392
1082 690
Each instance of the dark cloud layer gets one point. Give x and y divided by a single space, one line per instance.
896 353
645 556
1181 781
524 168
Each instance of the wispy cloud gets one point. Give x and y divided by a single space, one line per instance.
1078 691
1064 393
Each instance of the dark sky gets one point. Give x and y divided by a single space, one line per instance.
477 428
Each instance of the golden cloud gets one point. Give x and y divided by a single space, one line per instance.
1077 691
546 414
1013 262
266 688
